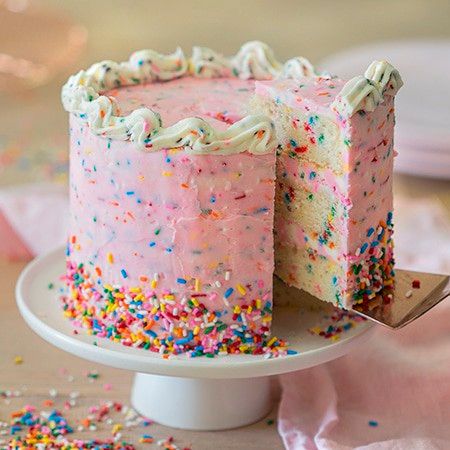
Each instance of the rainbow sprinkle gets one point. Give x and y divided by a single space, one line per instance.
335 324
373 273
161 321
49 430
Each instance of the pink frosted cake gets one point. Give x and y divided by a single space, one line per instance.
172 186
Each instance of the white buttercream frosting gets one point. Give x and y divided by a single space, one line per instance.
82 96
387 76
256 60
365 93
298 67
207 63
358 94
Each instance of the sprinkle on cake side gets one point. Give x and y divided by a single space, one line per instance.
168 251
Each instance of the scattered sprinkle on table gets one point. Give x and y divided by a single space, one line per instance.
93 374
53 393
146 439
31 428
336 323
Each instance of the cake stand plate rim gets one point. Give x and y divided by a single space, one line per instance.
32 286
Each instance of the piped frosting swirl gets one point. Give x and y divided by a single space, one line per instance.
255 60
365 93
298 67
386 76
206 63
83 95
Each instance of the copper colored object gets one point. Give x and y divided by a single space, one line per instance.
36 44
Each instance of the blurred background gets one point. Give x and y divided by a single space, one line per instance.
43 42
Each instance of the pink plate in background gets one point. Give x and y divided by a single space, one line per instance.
423 104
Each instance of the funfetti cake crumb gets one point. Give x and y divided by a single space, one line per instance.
333 220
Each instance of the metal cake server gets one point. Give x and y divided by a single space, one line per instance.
406 303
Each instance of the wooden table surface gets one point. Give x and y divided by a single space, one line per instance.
33 122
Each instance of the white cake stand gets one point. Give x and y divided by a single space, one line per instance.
191 393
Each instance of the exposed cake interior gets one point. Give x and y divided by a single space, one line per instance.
333 219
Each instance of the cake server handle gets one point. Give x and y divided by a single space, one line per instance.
414 294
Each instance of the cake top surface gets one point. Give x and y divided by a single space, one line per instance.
221 101
314 93
84 96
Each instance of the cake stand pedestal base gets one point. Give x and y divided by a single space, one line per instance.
201 404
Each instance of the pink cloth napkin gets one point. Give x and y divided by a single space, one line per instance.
393 394
33 219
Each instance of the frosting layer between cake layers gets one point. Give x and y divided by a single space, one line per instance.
168 250
333 221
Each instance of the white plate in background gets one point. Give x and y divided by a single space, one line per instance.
423 104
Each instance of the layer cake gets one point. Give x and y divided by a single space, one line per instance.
172 178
